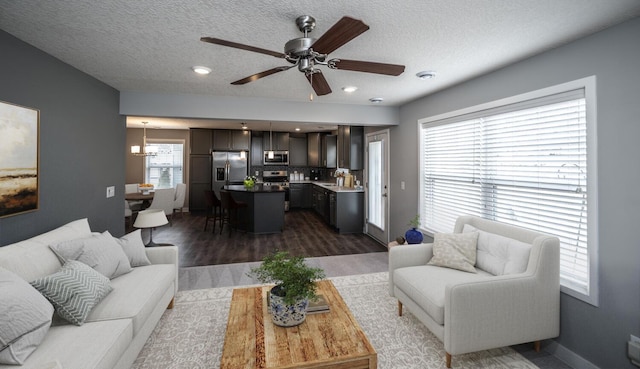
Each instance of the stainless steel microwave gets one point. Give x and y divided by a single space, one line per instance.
279 158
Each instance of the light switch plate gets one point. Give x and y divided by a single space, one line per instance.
111 191
402 185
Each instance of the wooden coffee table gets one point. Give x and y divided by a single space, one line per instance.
325 340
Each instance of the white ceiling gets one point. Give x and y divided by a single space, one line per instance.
151 45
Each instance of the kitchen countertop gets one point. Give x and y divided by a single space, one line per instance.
259 187
331 186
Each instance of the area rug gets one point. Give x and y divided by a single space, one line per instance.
191 335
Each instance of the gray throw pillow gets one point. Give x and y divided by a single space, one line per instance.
455 250
25 318
100 251
133 246
74 290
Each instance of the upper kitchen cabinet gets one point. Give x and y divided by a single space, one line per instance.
225 139
200 141
257 151
329 151
280 141
314 149
350 147
298 151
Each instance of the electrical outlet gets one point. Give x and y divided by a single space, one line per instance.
111 191
633 338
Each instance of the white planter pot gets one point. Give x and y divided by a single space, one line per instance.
284 315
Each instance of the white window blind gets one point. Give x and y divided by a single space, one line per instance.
165 170
523 164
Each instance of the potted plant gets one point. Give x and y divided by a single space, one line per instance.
414 235
249 182
295 286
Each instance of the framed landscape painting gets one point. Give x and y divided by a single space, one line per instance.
19 159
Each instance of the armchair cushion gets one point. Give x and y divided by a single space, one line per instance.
455 250
500 255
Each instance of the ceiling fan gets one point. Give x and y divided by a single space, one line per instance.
307 53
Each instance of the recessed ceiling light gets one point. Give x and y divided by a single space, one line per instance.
349 89
426 74
201 70
297 129
244 126
376 100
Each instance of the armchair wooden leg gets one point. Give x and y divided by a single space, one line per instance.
536 346
170 306
448 359
399 308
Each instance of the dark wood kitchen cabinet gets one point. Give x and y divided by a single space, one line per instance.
314 149
200 141
329 151
228 139
199 180
257 151
280 141
300 195
350 147
298 151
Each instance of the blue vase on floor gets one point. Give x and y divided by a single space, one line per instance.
413 236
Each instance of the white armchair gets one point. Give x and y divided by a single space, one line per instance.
470 312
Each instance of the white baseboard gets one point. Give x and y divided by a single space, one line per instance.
569 357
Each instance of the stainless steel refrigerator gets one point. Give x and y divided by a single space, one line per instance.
228 168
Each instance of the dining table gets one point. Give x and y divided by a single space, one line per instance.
145 197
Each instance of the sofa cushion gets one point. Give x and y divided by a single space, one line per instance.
136 294
133 247
98 345
99 251
500 255
25 318
32 258
426 285
74 290
455 250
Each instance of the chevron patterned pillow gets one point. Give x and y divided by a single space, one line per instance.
74 290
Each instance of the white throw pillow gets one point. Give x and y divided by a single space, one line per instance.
455 250
25 318
74 290
500 255
133 247
100 251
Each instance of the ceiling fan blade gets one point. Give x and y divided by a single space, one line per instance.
319 83
257 76
236 45
345 30
367 67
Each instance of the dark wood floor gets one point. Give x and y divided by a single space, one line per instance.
304 234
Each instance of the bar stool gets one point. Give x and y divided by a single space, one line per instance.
230 210
214 209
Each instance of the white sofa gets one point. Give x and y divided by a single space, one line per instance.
118 326
470 312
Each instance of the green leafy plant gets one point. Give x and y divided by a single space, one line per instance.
293 278
415 222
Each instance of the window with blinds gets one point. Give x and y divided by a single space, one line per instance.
523 164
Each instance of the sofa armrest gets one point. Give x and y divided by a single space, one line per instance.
500 311
406 256
164 255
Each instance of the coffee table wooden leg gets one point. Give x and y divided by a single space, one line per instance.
448 360
399 308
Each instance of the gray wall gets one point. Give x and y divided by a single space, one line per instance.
82 140
598 334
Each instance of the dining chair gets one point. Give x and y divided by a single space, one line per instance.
178 202
163 198
133 188
214 209
128 214
230 210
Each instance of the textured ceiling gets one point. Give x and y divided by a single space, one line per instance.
150 45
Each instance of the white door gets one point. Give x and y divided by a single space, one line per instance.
377 185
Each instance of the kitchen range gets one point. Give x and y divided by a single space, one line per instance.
278 178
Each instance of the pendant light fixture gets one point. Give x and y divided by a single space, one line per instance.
270 154
146 150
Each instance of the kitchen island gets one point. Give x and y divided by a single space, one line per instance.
265 212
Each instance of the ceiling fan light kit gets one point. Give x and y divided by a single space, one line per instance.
307 53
